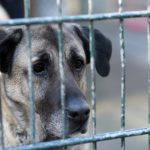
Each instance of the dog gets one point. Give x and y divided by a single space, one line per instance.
46 80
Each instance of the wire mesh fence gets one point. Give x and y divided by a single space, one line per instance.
90 18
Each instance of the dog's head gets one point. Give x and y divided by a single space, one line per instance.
46 74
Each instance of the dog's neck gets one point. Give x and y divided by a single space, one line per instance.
16 128
17 123
14 132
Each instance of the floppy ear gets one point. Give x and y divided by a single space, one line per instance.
103 49
8 42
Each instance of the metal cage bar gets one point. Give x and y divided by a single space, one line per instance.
61 69
92 68
1 120
148 41
88 139
79 18
123 72
30 84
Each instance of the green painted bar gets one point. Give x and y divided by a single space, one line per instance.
79 140
93 79
92 68
80 18
123 72
61 70
30 84
1 122
148 42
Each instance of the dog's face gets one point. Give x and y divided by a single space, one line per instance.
46 75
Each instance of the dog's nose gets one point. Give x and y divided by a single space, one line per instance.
78 111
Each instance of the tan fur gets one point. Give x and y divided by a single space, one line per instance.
46 81
11 116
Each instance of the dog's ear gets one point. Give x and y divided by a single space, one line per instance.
8 41
103 48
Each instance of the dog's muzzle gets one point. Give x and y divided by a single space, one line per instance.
77 114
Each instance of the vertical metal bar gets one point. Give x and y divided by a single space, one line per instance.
123 75
148 41
31 87
59 6
61 68
1 118
92 67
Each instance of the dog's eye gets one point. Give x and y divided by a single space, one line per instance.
78 64
39 67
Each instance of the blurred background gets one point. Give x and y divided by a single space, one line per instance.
108 89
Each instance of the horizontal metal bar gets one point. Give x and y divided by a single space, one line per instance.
88 139
102 16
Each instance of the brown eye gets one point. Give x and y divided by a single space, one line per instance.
39 67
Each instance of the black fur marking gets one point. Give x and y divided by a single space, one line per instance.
8 43
103 49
